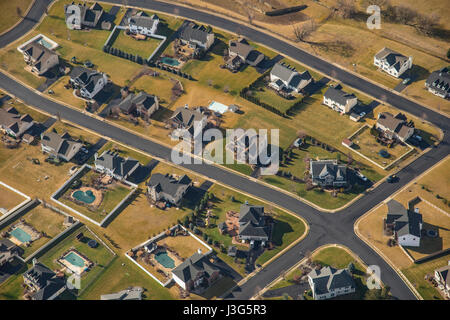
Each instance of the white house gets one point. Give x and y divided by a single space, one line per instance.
284 77
339 100
141 23
328 283
406 224
392 62
394 127
438 83
89 82
115 166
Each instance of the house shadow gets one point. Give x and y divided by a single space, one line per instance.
430 244
416 73
280 228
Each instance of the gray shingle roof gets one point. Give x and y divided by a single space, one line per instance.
339 96
10 118
328 278
439 80
393 58
193 267
117 164
168 185
251 222
195 32
143 20
406 221
62 145
45 279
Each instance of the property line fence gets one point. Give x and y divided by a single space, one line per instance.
27 199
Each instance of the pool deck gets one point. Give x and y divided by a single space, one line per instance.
74 268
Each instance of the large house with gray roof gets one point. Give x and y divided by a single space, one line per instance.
252 224
63 146
438 83
196 273
80 16
162 187
329 282
392 62
197 37
141 23
394 127
405 224
39 58
328 173
13 123
115 166
240 52
339 100
88 82
142 104
192 121
43 283
286 78
8 251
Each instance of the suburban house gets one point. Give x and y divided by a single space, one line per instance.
438 83
405 224
197 37
89 82
193 121
8 250
62 147
392 62
132 293
442 277
240 53
252 224
141 23
142 104
39 58
166 188
86 17
394 127
113 165
329 282
13 123
328 173
339 100
43 282
285 78
196 273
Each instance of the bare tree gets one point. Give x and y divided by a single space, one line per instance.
427 24
345 9
19 12
304 30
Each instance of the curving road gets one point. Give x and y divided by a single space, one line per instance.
324 228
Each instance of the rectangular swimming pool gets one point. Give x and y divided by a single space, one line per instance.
74 259
218 107
20 235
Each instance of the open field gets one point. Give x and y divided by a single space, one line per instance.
100 256
44 221
9 199
12 12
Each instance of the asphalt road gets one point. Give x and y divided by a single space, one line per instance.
324 228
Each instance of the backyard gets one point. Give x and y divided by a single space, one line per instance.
9 199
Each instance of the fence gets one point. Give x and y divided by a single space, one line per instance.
27 199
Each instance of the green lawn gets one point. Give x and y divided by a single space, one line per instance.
126 43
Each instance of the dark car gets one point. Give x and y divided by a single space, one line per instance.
392 178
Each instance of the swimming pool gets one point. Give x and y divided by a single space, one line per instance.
46 44
218 107
74 259
170 61
84 196
20 235
165 260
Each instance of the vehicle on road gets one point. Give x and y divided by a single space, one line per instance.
392 178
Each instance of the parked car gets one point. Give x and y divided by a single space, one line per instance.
72 170
417 137
362 114
406 81
392 178
88 64
361 176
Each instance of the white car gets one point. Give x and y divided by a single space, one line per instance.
72 170
361 176
362 114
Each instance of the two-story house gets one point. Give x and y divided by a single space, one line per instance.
39 58
197 37
438 83
339 100
191 121
442 277
81 16
60 146
8 251
394 127
328 173
405 224
240 52
143 104
287 78
167 188
141 23
329 282
115 166
392 62
43 282
252 224
13 123
88 82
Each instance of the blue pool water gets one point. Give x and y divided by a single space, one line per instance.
86 197
20 235
170 61
44 43
218 107
74 259
165 260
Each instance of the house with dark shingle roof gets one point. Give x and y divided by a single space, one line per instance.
43 282
39 58
196 273
196 36
60 146
143 104
252 224
406 224
13 123
244 53
89 82
392 62
442 277
189 120
438 83
329 282
287 78
80 16
141 23
8 251
167 188
328 173
339 100
394 127
112 164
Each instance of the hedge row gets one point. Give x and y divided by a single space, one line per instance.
176 71
123 54
280 12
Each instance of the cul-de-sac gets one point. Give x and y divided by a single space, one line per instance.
224 150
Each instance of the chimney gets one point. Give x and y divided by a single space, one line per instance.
34 261
199 251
